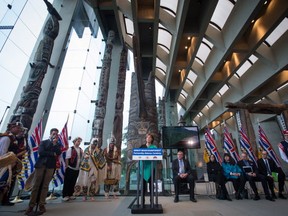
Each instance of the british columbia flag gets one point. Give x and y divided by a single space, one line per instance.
245 144
229 145
266 145
211 146
31 157
58 177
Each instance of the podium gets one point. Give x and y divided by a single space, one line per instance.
153 155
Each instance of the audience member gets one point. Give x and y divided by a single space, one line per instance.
73 157
44 169
182 173
267 167
251 174
232 172
215 174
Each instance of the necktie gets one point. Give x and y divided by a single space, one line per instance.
181 166
267 166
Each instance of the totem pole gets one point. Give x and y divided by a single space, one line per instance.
27 105
100 110
119 104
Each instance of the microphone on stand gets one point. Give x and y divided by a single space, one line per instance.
4 114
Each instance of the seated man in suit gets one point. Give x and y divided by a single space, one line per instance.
182 173
252 175
266 166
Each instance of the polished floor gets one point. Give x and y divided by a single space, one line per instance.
206 206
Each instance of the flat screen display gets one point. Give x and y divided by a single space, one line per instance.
177 137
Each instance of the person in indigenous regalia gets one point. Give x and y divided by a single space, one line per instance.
73 157
283 147
89 179
8 143
112 168
283 150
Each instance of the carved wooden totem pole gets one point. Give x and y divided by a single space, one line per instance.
100 111
139 125
119 104
27 105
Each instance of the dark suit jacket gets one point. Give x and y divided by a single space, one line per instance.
262 167
175 167
47 153
241 164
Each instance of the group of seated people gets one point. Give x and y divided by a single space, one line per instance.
241 172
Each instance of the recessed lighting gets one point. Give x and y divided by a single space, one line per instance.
189 38
186 47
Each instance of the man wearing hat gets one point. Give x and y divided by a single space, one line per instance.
8 143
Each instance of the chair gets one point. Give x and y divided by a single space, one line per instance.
210 186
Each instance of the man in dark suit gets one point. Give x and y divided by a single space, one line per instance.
252 175
266 166
44 169
182 173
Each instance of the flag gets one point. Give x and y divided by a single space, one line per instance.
58 177
211 146
206 155
229 145
245 144
31 156
266 145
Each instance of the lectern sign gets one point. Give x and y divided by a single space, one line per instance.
147 154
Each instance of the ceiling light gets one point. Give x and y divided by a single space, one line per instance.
186 47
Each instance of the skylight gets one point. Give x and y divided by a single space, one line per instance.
221 13
224 89
278 32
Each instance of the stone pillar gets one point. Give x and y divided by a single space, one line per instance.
100 110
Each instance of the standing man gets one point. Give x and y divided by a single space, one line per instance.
8 143
44 169
182 173
73 157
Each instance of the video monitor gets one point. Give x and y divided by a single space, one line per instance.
178 137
